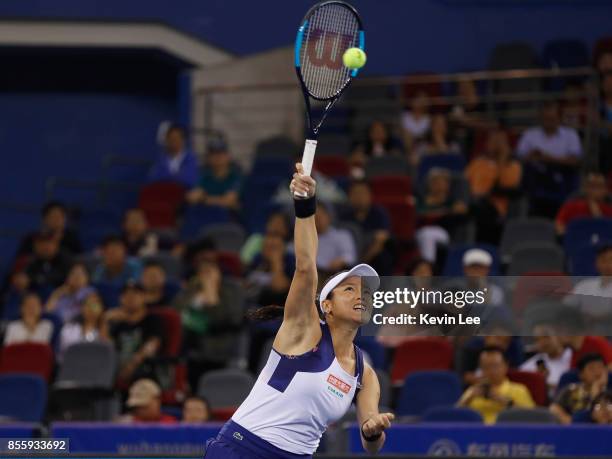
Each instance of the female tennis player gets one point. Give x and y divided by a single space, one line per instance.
314 371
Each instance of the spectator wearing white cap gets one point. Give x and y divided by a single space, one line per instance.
476 268
144 403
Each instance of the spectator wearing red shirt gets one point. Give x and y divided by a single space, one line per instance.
583 345
144 402
594 202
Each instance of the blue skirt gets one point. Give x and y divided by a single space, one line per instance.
236 442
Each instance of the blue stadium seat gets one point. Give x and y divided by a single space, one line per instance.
426 389
195 218
586 230
565 53
281 166
377 353
451 414
581 260
110 293
23 397
454 259
452 162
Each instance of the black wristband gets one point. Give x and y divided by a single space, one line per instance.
373 437
305 208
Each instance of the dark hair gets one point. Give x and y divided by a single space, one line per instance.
589 358
603 248
496 349
49 206
176 127
357 182
605 396
112 239
152 263
550 104
414 263
200 398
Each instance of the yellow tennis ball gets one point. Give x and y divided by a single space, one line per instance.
354 58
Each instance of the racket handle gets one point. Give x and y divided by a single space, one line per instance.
310 147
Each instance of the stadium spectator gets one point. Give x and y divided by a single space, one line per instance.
578 396
139 242
196 410
438 140
197 252
54 220
277 225
212 314
416 121
269 275
336 246
49 266
604 63
601 408
495 392
551 358
221 179
116 268
176 163
31 328
593 296
144 403
551 153
65 301
375 224
379 142
594 202
439 213
88 326
494 179
476 268
135 332
155 286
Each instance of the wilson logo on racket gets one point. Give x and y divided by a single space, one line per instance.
325 49
337 382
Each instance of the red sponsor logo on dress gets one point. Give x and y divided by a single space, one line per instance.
337 382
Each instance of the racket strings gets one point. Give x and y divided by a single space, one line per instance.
331 30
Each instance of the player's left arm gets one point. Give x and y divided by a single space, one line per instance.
372 423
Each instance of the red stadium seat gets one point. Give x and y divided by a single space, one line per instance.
230 263
160 201
385 186
173 330
421 354
535 382
223 414
402 213
333 165
31 358
542 285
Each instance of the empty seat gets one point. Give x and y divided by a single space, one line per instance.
581 260
277 146
386 165
521 230
583 231
535 257
451 414
385 388
426 389
402 213
526 416
376 351
539 285
230 263
87 366
333 144
197 217
280 166
421 354
391 185
33 358
160 202
535 382
229 237
454 260
451 162
23 397
333 166
225 389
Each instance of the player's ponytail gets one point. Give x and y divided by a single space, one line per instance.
265 313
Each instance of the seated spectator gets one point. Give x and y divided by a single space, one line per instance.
593 296
31 328
135 332
269 275
176 163
277 225
336 246
379 142
476 268
221 179
54 220
439 213
579 396
551 153
197 252
212 315
601 408
551 358
495 393
154 284
494 179
594 202
574 107
604 63
583 345
116 268
196 410
88 326
375 224
49 266
139 242
437 141
65 301
416 121
144 403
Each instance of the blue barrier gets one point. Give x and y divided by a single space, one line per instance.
494 441
18 430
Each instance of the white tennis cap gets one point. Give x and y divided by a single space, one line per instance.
361 270
477 257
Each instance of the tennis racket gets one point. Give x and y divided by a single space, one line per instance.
327 31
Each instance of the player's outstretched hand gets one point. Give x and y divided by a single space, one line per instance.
377 424
302 185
